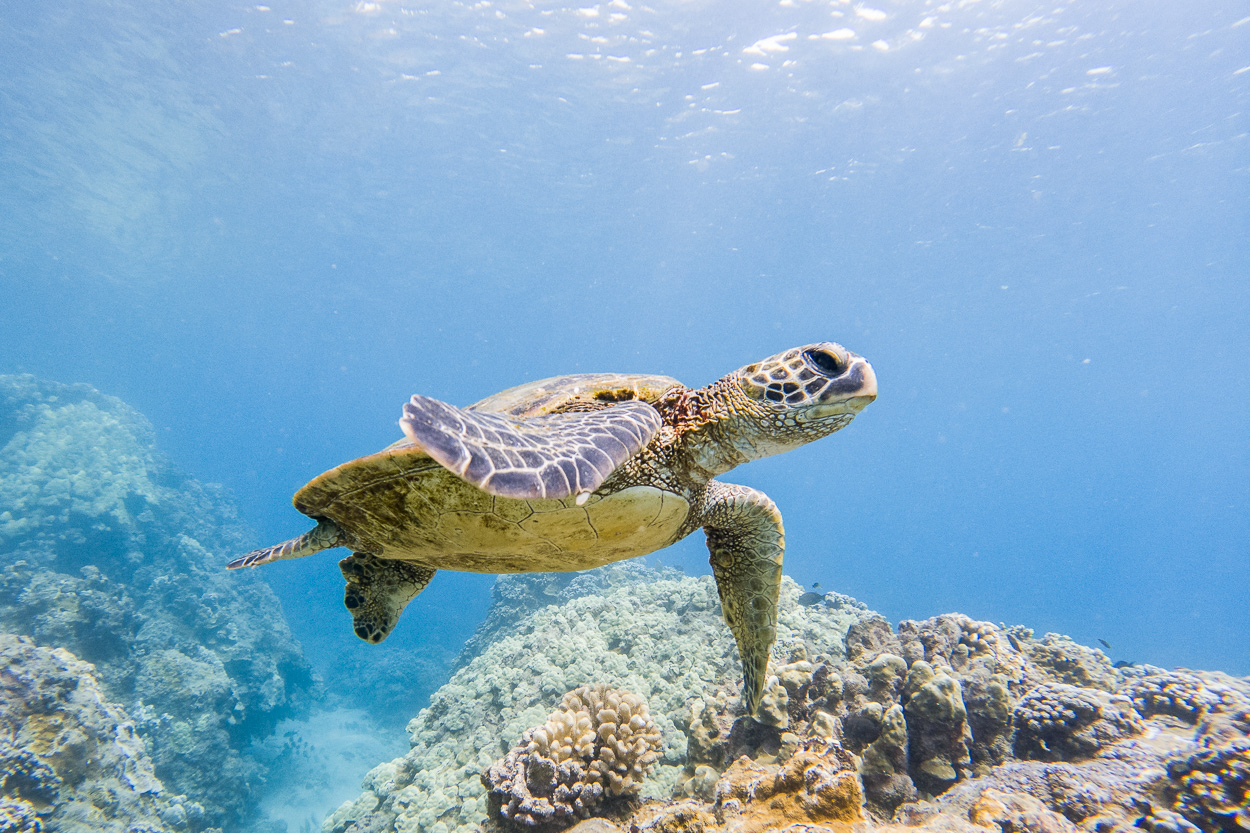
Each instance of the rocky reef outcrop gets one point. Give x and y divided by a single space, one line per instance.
946 724
107 551
70 760
657 633
815 786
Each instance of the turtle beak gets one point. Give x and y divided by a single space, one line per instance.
851 392
868 386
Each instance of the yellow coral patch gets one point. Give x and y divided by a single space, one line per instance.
810 788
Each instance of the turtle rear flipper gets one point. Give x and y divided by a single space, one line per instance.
323 536
551 456
378 590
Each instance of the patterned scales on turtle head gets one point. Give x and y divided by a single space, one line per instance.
536 445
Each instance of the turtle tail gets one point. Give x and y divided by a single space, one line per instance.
323 536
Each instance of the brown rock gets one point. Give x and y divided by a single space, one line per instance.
681 817
595 825
816 786
1016 813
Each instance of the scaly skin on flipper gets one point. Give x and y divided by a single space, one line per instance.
378 590
550 456
323 536
747 542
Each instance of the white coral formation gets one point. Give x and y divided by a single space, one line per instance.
73 457
655 633
107 551
70 756
612 729
978 636
1056 721
598 744
1182 695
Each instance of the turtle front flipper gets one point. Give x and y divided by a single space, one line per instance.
746 539
323 536
378 590
551 456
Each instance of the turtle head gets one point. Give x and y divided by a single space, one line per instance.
816 386
794 397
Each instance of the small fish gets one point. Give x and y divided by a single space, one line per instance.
816 585
1105 644
1124 664
811 599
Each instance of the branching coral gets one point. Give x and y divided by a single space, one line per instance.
596 747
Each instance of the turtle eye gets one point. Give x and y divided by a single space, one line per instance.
824 362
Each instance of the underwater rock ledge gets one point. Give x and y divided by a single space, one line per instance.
107 551
69 759
947 724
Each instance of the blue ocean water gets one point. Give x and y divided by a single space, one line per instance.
265 226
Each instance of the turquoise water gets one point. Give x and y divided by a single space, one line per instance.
265 226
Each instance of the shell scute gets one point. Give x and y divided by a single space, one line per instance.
567 528
512 510
576 392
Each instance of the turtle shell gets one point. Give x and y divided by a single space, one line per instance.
584 391
399 503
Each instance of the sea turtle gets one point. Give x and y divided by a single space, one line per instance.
575 472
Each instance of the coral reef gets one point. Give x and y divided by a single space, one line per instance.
1211 787
1057 721
653 632
592 751
1209 783
1100 791
1180 694
885 756
69 760
937 724
1013 811
948 725
18 816
107 551
818 784
1065 661
515 596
